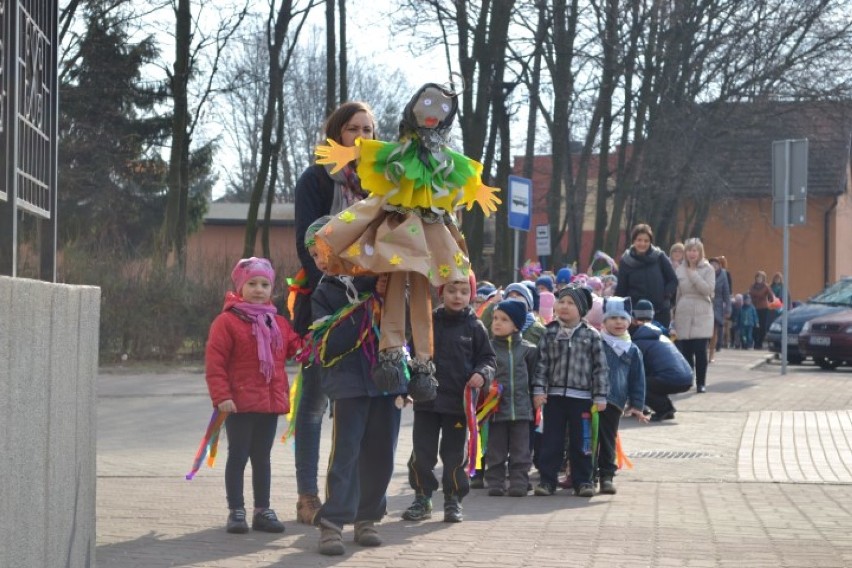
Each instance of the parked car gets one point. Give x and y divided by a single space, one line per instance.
835 298
828 339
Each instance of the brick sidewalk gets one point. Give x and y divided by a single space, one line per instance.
728 483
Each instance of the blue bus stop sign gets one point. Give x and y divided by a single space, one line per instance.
520 203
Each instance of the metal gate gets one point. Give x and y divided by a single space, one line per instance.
29 111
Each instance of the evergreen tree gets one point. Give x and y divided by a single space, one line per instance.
112 177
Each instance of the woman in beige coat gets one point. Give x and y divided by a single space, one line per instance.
694 311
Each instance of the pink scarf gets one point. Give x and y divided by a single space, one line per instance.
265 329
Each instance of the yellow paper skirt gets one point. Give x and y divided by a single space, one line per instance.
372 238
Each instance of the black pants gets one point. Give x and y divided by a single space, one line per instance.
360 465
563 412
695 353
250 436
437 434
508 440
762 327
657 394
663 316
607 433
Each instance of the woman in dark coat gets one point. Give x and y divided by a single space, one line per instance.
319 193
645 271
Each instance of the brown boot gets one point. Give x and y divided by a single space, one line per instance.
307 508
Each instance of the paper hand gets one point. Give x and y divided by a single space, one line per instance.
336 155
484 196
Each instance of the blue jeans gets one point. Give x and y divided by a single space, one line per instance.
250 436
364 439
308 429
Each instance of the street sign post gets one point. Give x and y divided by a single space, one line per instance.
789 197
520 209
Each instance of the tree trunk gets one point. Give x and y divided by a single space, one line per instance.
330 61
344 79
172 239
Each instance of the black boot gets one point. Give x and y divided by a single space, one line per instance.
389 372
423 385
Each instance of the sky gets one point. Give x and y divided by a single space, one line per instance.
369 36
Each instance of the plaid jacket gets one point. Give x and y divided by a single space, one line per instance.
576 362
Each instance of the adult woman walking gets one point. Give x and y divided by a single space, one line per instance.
694 309
761 296
320 193
644 272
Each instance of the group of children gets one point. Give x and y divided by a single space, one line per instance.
744 320
572 376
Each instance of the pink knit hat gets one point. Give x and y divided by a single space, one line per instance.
248 268
546 300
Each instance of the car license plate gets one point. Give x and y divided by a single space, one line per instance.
818 340
792 340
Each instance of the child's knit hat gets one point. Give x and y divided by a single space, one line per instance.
644 310
248 268
581 295
313 229
471 279
617 307
563 276
546 300
545 281
515 310
521 289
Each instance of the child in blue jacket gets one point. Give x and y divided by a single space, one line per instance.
626 385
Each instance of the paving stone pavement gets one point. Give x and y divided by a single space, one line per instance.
755 473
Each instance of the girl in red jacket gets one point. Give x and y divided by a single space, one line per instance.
245 356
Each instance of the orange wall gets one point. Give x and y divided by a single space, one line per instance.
215 248
742 231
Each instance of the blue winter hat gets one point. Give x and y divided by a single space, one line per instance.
644 310
617 307
523 291
545 281
533 292
515 310
564 276
485 291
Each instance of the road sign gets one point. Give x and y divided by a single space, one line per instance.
789 181
520 203
542 240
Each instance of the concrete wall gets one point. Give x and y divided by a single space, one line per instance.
48 368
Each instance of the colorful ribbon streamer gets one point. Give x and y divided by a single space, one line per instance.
470 396
476 414
296 389
620 456
209 443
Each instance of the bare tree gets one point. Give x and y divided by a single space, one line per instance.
279 23
185 120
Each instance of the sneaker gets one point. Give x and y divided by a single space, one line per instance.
237 522
607 486
420 510
544 490
701 389
496 491
331 539
366 534
659 417
307 508
452 510
267 521
585 490
518 491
